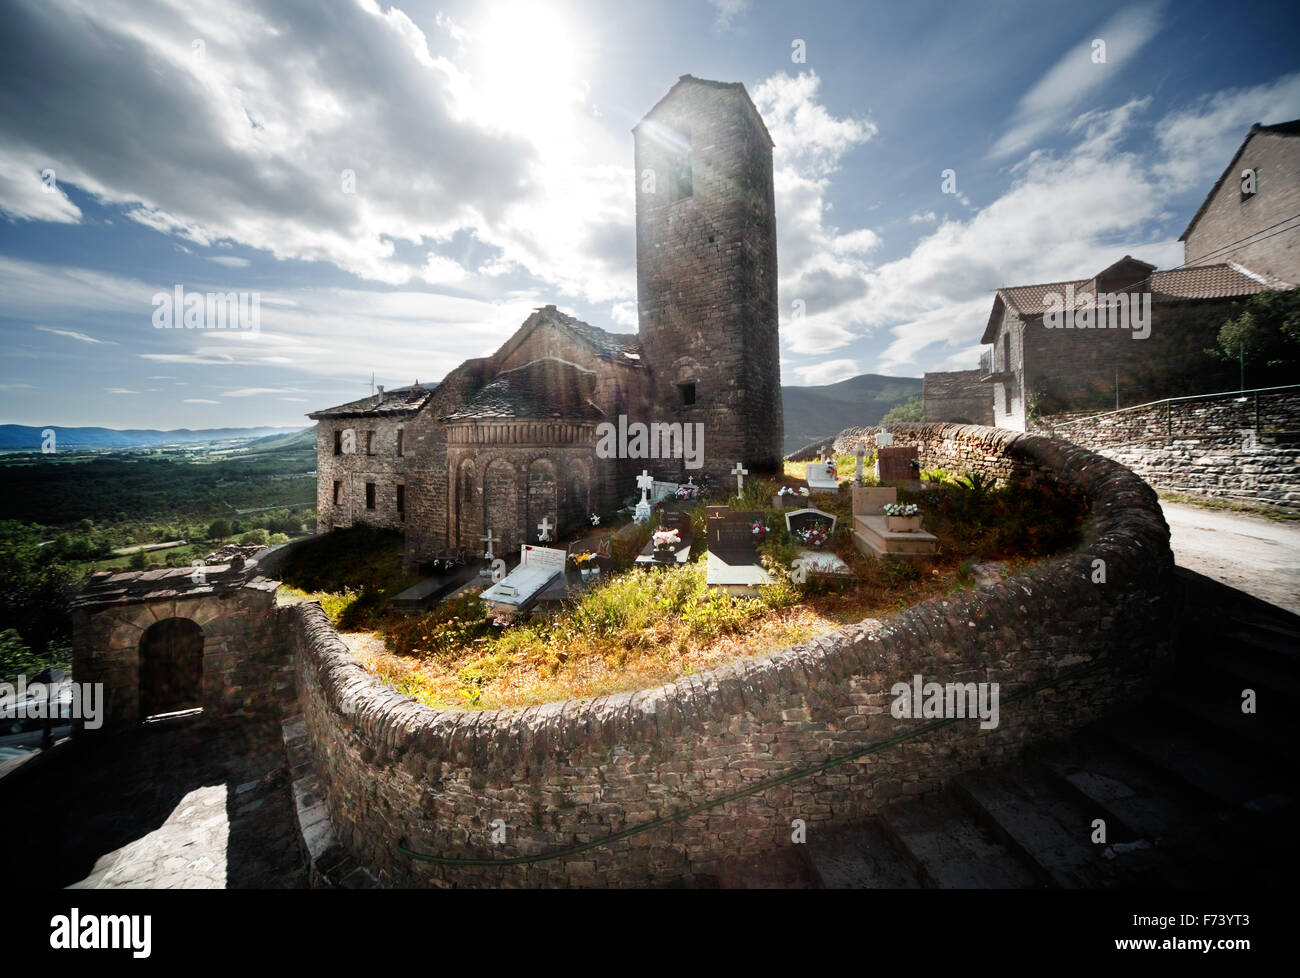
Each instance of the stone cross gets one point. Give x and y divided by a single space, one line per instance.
488 540
740 472
690 482
544 529
884 439
860 453
645 482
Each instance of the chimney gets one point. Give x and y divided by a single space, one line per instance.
381 395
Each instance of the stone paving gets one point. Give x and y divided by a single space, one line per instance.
190 805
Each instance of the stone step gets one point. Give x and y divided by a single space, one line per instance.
859 857
1283 649
1216 768
1134 797
1048 828
951 850
1249 669
1272 730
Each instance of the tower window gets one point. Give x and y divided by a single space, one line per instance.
370 495
401 499
338 492
338 442
370 443
688 393
401 442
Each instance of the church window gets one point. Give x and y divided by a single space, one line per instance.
401 442
688 393
338 492
338 442
683 185
370 495
370 443
401 500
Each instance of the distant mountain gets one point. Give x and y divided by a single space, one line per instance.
306 438
819 412
21 437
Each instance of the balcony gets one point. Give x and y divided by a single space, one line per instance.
990 376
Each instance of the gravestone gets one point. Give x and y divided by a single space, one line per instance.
823 561
819 477
659 491
644 482
802 519
733 561
538 567
897 464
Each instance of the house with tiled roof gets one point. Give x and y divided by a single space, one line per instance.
1132 333
506 442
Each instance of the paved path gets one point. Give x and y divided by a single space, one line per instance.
193 807
1257 555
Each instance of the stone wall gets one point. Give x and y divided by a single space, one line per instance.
1245 448
374 461
399 774
960 396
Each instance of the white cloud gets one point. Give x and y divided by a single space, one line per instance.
928 217
73 334
726 11
828 372
120 390
1072 79
25 193
200 400
231 261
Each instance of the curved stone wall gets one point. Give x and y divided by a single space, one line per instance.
398 775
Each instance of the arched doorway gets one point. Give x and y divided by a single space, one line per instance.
541 500
171 667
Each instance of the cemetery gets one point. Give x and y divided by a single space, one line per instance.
687 577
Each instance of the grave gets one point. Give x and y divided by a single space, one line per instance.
567 584
644 482
659 491
820 561
898 465
452 569
821 477
874 538
519 590
733 561
670 520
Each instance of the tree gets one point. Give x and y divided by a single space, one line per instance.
1264 334
910 410
139 560
218 530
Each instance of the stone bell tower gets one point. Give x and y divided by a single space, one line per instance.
706 272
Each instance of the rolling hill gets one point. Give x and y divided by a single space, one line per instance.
21 437
818 412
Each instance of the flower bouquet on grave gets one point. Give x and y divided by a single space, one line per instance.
815 536
760 531
902 517
584 561
687 492
666 543
789 498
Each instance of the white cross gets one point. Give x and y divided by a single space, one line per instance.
544 529
690 482
595 519
488 540
884 439
740 472
645 481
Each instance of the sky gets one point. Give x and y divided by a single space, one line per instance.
400 185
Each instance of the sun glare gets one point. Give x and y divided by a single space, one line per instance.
528 67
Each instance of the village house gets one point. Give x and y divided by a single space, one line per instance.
1044 358
508 442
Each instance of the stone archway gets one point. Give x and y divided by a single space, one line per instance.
171 667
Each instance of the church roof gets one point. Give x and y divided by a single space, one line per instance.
1222 281
400 401
621 348
543 389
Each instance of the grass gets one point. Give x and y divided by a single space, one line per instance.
642 628
1230 506
353 573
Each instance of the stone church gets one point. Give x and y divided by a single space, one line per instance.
508 441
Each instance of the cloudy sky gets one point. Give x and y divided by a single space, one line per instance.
402 184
